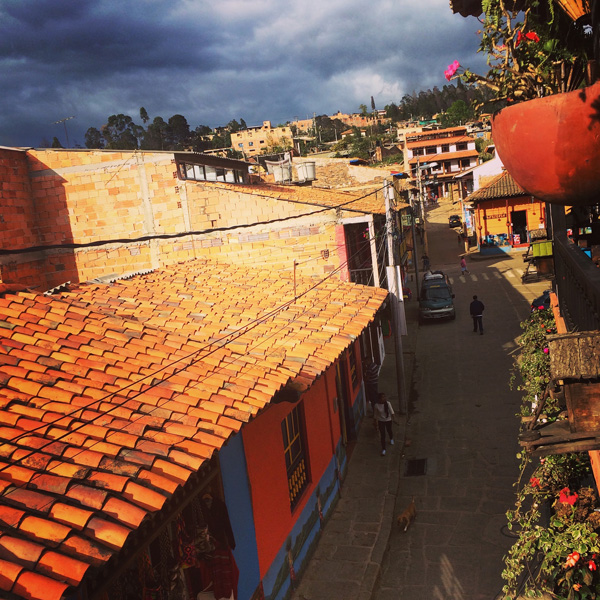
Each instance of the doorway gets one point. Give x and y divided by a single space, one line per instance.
519 227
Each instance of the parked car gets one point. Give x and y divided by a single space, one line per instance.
436 297
541 302
454 221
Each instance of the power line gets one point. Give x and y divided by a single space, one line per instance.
225 340
170 236
236 334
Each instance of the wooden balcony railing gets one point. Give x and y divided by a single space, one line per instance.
577 285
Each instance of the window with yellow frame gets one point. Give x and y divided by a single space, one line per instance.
295 457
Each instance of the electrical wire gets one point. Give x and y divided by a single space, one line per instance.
232 336
170 236
239 332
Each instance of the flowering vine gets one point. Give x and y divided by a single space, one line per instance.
556 519
530 53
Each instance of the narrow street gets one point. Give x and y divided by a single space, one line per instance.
459 461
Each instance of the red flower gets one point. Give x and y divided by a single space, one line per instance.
566 497
592 565
572 559
530 36
534 482
576 586
519 39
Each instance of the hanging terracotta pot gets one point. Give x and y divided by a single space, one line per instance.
551 146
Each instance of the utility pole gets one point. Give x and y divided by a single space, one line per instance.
396 297
64 122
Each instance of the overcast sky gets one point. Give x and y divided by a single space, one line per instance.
214 61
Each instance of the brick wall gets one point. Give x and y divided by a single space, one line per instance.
131 199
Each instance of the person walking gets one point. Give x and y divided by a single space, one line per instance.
426 263
463 266
382 414
371 379
476 309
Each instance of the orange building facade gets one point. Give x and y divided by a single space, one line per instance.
504 214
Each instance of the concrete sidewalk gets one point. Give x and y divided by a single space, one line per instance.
347 560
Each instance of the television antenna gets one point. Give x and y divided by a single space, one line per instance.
63 121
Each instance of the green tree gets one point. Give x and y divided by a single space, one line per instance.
457 114
156 135
121 133
93 138
222 139
178 133
56 143
363 110
144 115
481 144
233 126
393 112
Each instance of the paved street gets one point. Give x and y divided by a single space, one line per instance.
455 451
462 434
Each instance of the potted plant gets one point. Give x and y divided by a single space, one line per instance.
556 519
548 128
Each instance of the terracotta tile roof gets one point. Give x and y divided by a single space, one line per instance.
120 392
444 156
363 201
501 186
439 141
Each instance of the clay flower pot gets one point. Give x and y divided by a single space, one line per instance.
551 145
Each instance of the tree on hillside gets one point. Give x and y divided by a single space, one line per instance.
363 110
156 135
329 129
393 112
457 114
121 133
144 115
94 139
178 133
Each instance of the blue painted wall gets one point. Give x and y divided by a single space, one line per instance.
239 505
304 535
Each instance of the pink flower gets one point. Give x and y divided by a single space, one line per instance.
572 559
566 497
451 70
546 350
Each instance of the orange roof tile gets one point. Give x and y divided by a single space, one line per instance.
9 572
34 586
119 403
62 567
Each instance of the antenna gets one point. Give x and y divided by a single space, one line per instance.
63 121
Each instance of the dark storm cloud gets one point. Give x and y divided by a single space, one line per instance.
215 61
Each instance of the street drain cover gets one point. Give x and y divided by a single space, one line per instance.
416 466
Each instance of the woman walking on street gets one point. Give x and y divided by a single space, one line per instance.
463 266
382 414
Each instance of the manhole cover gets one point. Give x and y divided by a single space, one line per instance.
416 466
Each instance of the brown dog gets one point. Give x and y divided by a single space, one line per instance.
408 515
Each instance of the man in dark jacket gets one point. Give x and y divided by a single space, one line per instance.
476 309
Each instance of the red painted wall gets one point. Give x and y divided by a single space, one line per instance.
263 445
